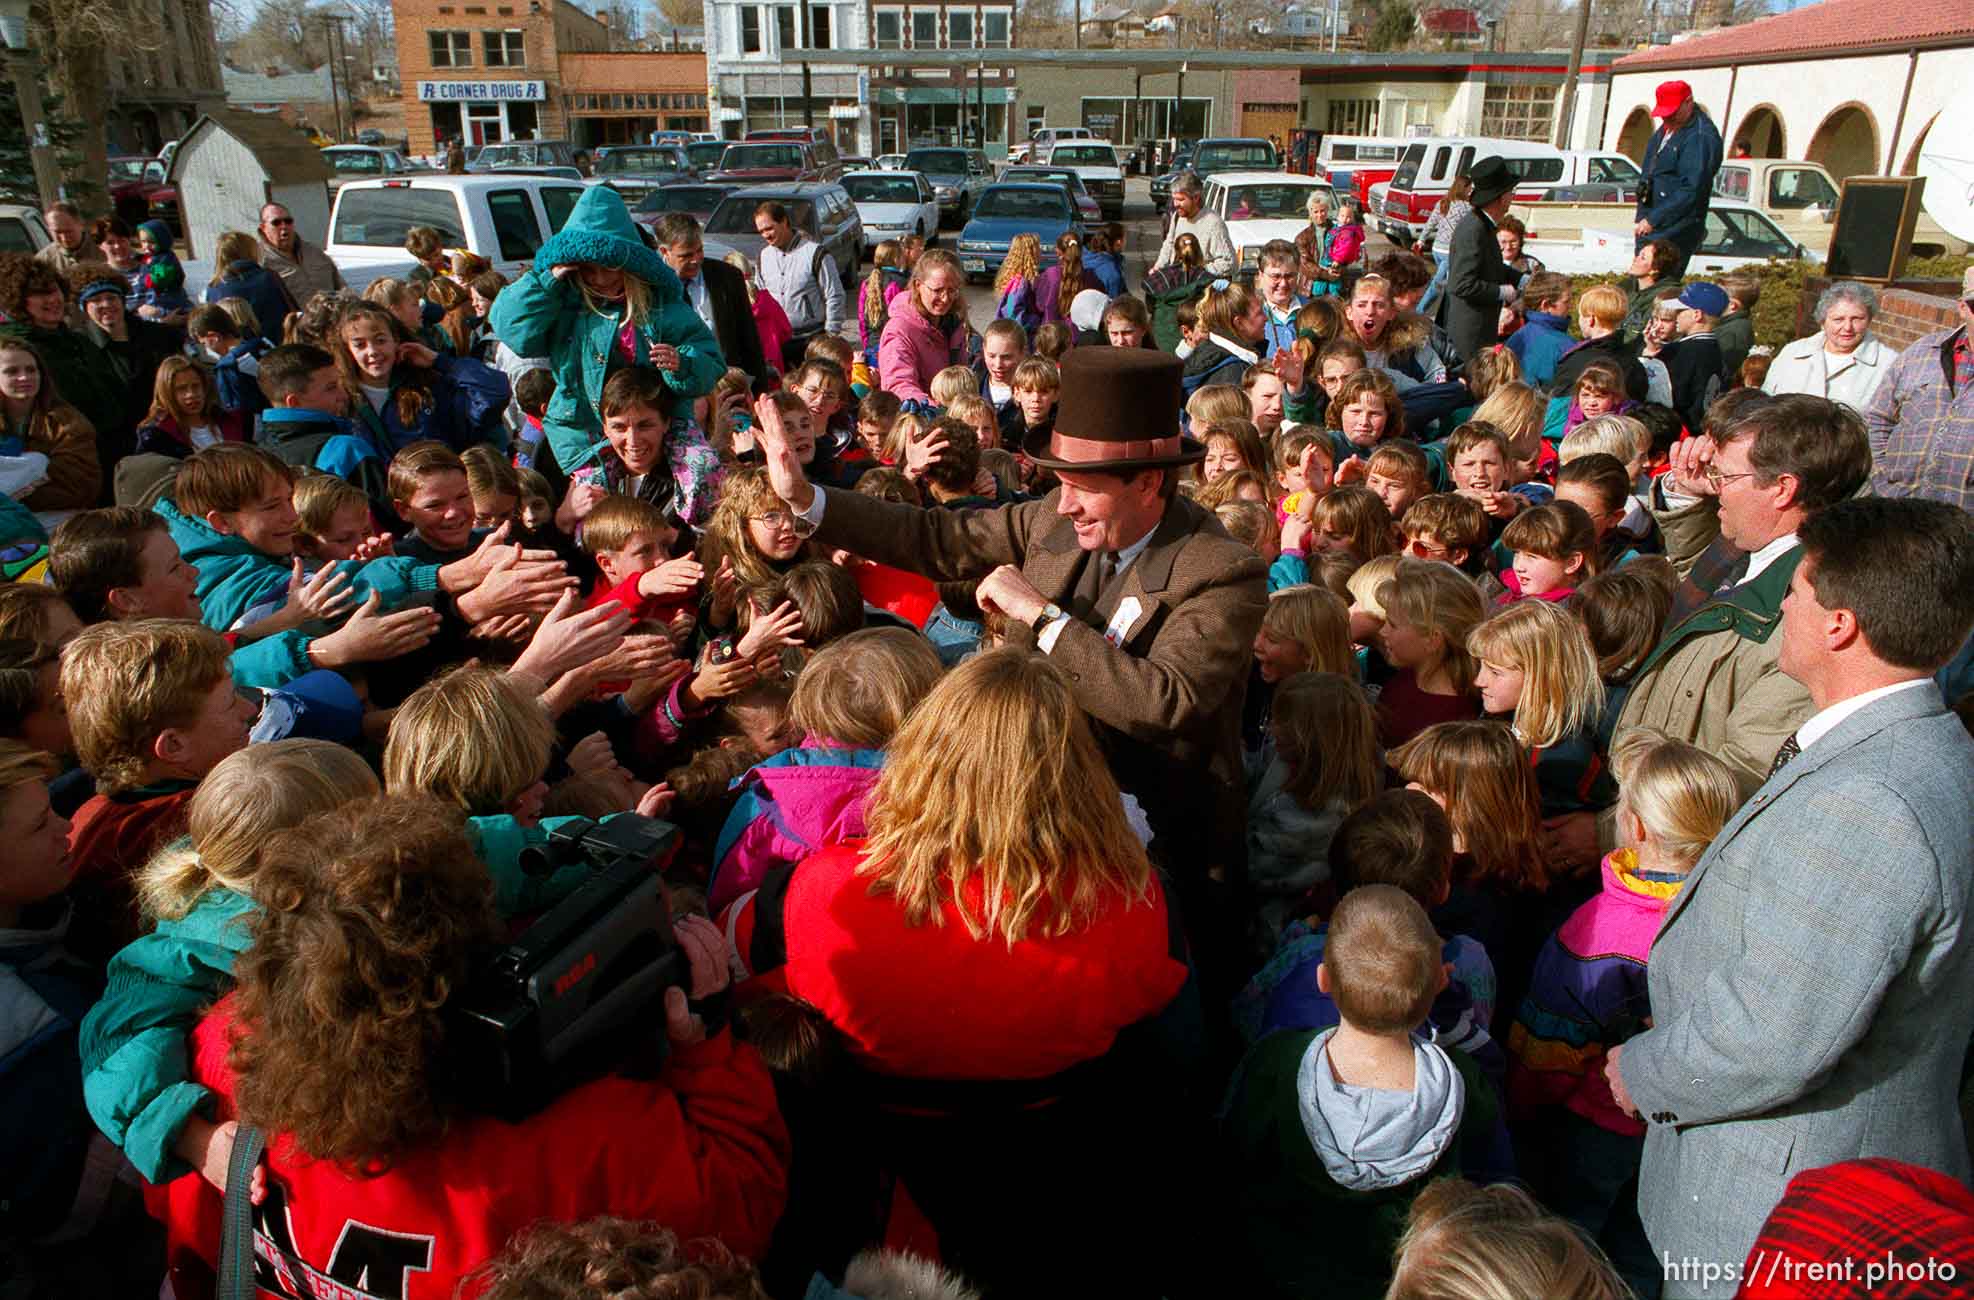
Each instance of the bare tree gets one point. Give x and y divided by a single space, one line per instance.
79 39
680 13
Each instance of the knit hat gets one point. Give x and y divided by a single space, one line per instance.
97 288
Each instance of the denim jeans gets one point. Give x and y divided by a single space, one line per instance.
1438 286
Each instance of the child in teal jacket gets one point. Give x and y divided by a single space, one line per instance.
615 304
136 1075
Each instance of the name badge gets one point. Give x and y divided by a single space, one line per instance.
1121 622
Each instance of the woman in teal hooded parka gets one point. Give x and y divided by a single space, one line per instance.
596 301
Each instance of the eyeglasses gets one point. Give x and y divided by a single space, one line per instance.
775 519
1715 478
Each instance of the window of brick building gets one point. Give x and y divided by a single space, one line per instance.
959 28
504 49
451 49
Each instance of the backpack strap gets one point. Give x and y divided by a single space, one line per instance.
236 1242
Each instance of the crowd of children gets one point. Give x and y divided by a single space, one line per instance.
443 567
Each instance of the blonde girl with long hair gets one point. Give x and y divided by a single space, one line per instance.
1537 669
1015 284
199 892
752 532
885 282
1000 869
597 299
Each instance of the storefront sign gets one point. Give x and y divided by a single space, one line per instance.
476 92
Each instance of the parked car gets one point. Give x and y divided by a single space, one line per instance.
523 153
1003 211
370 135
891 162
893 205
504 218
697 198
804 134
1223 154
958 176
703 156
634 170
765 162
1260 206
1096 162
139 191
821 210
1036 149
1086 202
1161 185
353 162
1738 234
21 229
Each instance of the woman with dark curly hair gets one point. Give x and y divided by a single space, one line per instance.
36 301
380 909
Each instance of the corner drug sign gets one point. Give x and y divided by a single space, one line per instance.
478 92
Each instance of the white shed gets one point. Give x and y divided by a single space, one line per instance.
231 164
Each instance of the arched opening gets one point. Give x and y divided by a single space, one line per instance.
1761 134
1911 166
1847 143
1635 135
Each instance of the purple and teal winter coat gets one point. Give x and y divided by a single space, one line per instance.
791 805
1587 995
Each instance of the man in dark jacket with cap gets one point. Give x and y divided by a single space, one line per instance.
1478 283
1680 162
1136 593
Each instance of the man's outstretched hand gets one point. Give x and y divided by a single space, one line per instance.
784 470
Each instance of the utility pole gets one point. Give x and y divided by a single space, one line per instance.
808 89
1571 75
1076 28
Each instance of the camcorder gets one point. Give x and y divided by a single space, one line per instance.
581 991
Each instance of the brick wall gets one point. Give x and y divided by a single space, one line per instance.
1906 310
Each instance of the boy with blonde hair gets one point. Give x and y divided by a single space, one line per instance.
430 492
152 708
631 541
1333 1132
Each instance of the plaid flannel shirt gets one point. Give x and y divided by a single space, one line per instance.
1921 422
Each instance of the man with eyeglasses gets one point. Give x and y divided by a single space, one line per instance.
1921 418
1735 502
305 269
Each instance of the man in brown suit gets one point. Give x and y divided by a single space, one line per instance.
1138 594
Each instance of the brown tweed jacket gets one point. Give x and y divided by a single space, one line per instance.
1166 698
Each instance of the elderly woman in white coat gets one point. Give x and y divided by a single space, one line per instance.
1841 361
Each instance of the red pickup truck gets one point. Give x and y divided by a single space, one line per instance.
138 192
764 161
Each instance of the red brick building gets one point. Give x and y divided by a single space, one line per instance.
489 70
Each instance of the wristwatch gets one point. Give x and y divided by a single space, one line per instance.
1050 613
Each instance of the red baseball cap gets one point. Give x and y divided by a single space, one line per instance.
1673 96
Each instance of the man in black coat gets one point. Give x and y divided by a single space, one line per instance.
716 292
1479 284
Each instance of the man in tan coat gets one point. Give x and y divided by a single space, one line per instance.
1713 680
304 269
1135 592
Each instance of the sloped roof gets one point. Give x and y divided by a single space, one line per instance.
1831 27
283 150
283 88
1108 14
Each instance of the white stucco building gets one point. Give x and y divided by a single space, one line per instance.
754 68
1851 84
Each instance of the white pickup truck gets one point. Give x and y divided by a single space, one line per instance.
1574 239
1096 162
504 217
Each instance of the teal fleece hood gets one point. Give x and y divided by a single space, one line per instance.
600 232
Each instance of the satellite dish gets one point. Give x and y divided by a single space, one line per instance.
1947 163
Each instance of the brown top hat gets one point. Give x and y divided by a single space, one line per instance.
1118 413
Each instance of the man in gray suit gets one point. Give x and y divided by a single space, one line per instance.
1813 983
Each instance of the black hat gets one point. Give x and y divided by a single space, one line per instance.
1492 178
1118 412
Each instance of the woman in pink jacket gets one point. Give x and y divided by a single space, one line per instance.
927 331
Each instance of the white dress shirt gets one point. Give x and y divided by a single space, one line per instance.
1825 720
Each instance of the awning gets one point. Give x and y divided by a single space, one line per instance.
732 115
845 112
941 94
